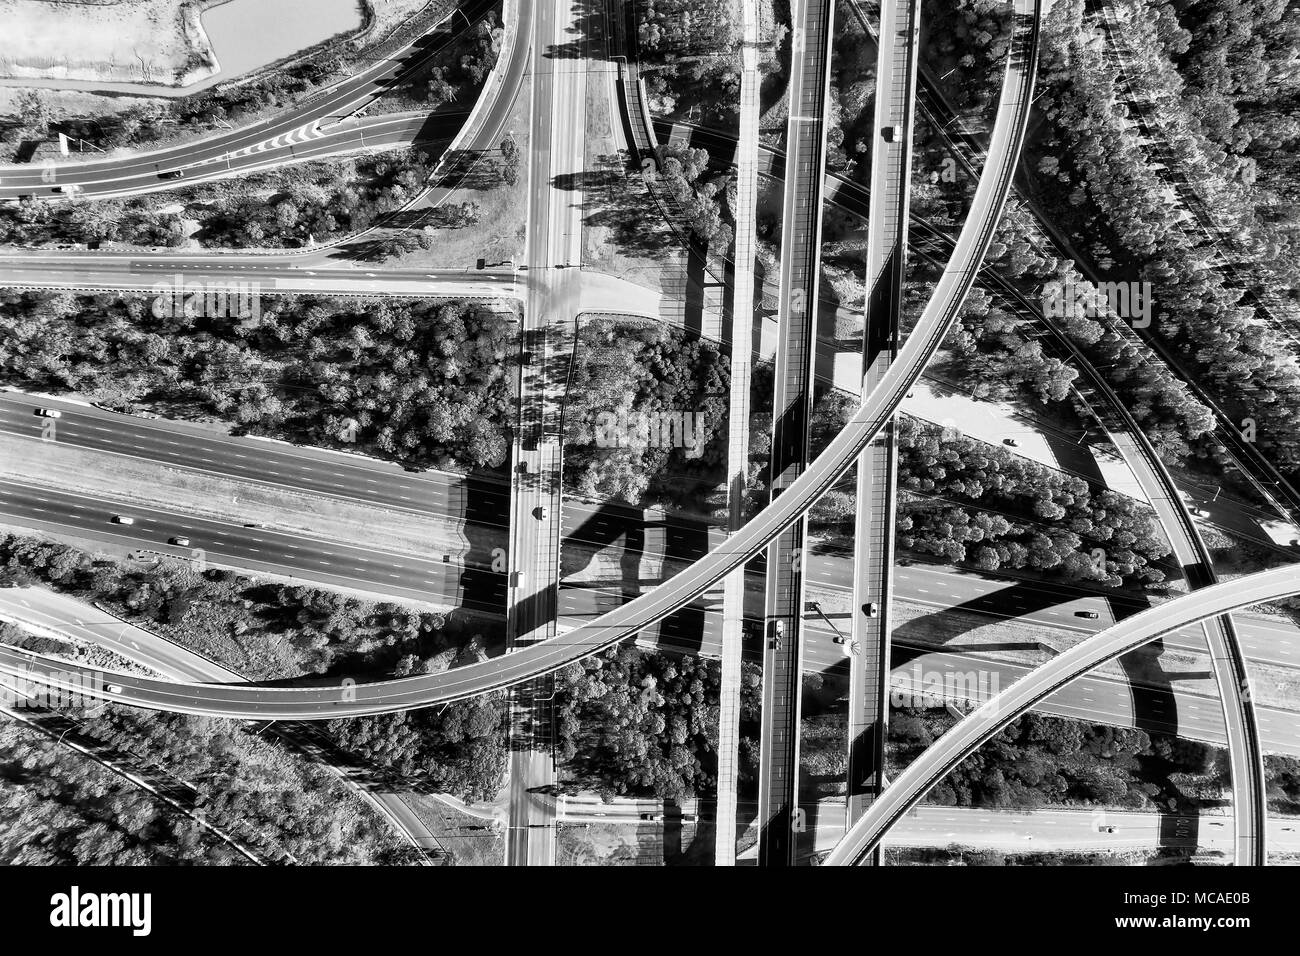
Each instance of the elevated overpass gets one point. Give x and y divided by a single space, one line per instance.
983 723
743 311
891 162
345 697
779 819
1191 552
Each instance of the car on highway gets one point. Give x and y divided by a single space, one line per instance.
172 174
871 609
779 629
123 519
652 817
71 189
541 512
1090 615
840 639
182 542
113 688
253 524
892 134
49 413
1107 829
1011 441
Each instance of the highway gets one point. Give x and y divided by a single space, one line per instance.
1192 555
1093 698
274 141
910 786
481 503
877 471
650 608
744 311
311 142
1063 829
956 284
46 613
792 410
268 274
547 343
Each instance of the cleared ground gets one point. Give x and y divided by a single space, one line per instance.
140 41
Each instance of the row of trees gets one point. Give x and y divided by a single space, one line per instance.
695 198
418 382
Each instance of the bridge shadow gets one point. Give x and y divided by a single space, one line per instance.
590 35
941 627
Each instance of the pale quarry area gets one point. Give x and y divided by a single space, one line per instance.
133 41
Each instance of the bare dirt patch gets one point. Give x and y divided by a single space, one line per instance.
132 41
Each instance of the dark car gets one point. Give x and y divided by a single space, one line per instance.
172 174
1090 615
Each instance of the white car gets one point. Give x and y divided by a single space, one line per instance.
113 688
49 413
123 519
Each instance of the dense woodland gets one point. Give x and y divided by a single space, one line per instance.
420 382
1039 761
459 749
262 630
1166 212
690 54
639 723
633 366
256 789
967 501
59 809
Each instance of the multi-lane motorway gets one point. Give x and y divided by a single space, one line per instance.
911 785
482 503
318 120
324 701
694 581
